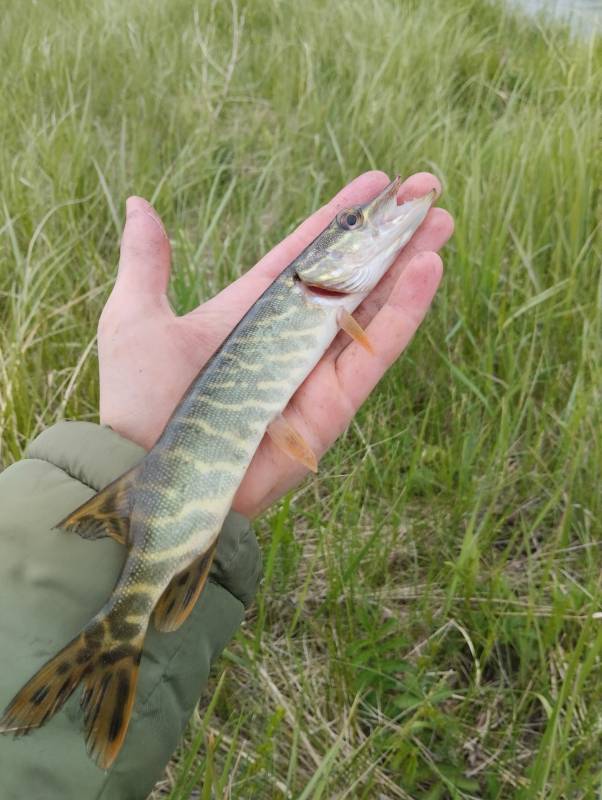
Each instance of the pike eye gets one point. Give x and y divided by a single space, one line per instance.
351 219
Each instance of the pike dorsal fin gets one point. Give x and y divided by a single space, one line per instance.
107 513
178 600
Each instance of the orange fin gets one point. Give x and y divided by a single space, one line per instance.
105 514
45 693
178 600
108 669
108 700
292 443
354 329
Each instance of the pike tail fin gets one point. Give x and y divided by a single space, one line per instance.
108 670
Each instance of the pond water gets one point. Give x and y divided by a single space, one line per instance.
584 16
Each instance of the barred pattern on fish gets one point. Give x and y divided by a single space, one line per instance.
169 509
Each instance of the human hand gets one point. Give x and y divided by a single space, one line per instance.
148 356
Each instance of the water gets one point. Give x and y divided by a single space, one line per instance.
583 16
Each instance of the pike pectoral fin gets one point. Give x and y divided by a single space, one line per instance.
292 443
354 329
105 514
178 600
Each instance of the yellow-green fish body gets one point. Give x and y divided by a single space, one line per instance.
170 508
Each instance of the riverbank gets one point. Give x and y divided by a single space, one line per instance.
584 17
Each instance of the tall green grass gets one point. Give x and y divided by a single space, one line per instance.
429 623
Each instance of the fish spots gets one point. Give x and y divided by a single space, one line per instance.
85 654
255 404
226 468
65 690
107 668
271 384
88 670
40 695
189 595
136 602
85 699
93 635
205 508
224 384
104 685
121 629
116 723
183 551
182 593
121 700
117 654
242 363
287 356
129 630
274 318
240 443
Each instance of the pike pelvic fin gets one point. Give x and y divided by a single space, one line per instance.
291 442
107 513
108 669
354 329
178 600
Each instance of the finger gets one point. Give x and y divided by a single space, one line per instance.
391 329
418 185
145 259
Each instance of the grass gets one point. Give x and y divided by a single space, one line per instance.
429 623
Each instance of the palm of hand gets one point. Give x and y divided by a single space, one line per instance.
148 356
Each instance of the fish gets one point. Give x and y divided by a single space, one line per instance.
169 509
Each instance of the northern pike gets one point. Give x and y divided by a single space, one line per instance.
169 509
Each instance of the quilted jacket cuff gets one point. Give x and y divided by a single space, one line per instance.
94 455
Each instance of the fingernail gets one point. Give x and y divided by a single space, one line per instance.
158 222
132 208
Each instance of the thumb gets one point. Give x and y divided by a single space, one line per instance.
145 259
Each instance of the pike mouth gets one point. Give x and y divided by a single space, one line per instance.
385 203
385 228
385 211
319 291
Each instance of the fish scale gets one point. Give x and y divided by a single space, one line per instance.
168 510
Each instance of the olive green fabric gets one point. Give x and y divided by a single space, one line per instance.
51 584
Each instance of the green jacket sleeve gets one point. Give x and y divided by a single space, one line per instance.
52 583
